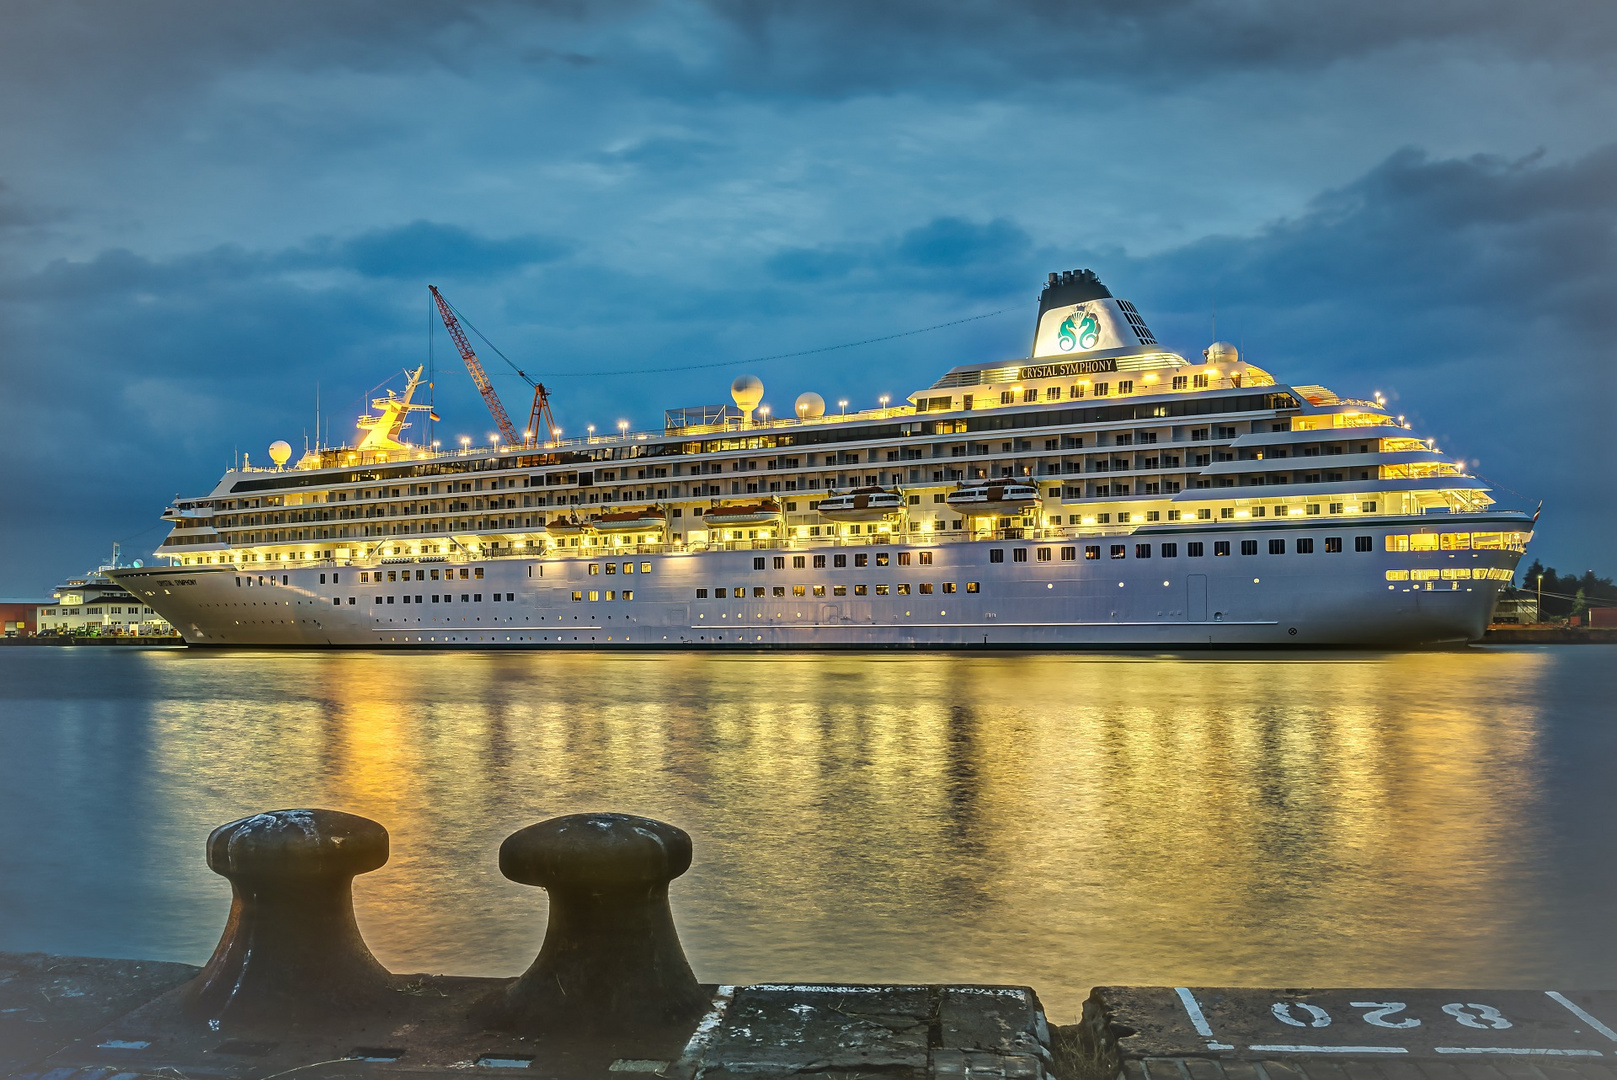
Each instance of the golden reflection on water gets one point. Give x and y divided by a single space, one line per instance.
1059 821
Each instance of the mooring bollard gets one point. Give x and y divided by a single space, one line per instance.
611 961
291 953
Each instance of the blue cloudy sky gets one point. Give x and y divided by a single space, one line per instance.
206 210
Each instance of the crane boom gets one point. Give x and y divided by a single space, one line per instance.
479 376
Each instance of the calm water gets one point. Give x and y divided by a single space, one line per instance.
1440 818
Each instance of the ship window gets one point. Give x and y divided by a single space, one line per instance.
1030 394
1119 551
1077 392
819 590
882 558
1195 550
926 558
1052 393
1092 551
799 590
323 577
948 586
477 572
883 590
719 593
1142 551
393 575
611 568
839 561
779 590
595 568
1361 543
903 558
1313 509
780 562
1126 386
1170 551
594 596
1221 547
926 588
972 586
1019 554
798 562
758 563
1397 575
1180 382
477 598
1007 397
1305 545
1102 389
1277 547
628 594
336 601
628 568
1249 547
701 594
758 591
645 568
819 562
839 590
610 595
390 599
350 601
579 596
1068 554
861 559
1333 544
1044 554
996 555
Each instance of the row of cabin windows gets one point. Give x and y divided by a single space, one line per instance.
1079 390
1194 549
883 558
903 588
595 595
448 572
446 598
612 568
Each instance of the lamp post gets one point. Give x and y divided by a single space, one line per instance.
1538 612
884 399
623 428
843 405
589 430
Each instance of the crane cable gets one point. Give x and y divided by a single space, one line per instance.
720 363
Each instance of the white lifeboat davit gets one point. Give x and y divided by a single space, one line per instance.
862 504
1006 499
735 517
650 519
567 526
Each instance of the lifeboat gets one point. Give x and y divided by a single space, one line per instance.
862 504
1006 499
740 516
650 519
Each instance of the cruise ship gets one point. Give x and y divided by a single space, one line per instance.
1103 492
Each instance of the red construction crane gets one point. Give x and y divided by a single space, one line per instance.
541 424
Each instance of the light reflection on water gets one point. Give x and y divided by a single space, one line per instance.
1061 821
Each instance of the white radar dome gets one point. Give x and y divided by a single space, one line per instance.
747 392
1221 352
810 406
280 452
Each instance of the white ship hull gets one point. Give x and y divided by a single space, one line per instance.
1293 599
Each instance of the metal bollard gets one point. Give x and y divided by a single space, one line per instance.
611 962
291 953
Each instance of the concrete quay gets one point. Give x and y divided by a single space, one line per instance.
292 989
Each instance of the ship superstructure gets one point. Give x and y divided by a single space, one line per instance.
1104 491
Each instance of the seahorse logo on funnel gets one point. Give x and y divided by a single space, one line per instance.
1079 330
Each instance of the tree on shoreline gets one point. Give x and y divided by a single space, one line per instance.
1565 595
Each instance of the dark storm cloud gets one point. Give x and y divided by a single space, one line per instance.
949 247
843 46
